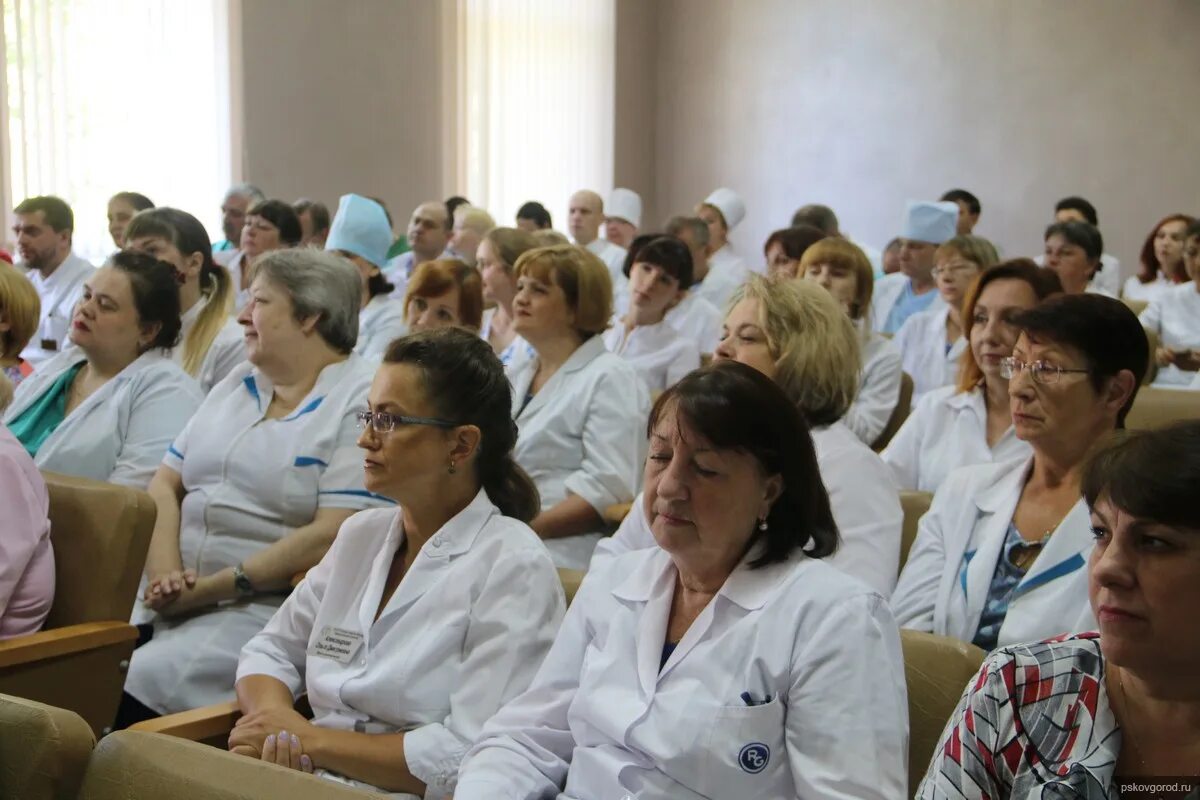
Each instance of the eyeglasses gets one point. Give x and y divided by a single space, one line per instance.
1041 372
383 422
953 269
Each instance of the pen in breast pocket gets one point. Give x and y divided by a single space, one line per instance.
750 701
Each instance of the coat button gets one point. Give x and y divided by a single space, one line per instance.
436 541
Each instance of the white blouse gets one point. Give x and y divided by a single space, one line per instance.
1175 316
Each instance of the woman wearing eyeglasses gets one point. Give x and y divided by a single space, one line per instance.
422 620
1000 556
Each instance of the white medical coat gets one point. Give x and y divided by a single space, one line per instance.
227 350
582 434
59 293
248 482
726 273
464 633
1175 316
947 430
380 322
945 582
608 719
698 320
1136 290
884 294
878 389
120 433
658 352
863 499
518 349
613 256
923 353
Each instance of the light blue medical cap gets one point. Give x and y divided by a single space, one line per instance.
930 222
360 227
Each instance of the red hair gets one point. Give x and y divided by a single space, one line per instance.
1150 265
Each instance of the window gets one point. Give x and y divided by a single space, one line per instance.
105 96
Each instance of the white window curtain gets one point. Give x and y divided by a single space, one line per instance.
106 96
536 85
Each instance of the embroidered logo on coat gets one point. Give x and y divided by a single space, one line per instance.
754 758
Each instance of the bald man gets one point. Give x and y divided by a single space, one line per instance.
584 217
429 231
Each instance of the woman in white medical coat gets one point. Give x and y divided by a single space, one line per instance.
498 252
932 342
1175 317
211 342
580 409
722 211
797 335
971 423
423 620
714 665
254 489
1161 260
659 268
845 272
108 408
999 557
441 293
360 232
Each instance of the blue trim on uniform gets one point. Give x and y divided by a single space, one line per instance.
171 449
359 493
1057 571
309 461
962 575
252 388
310 407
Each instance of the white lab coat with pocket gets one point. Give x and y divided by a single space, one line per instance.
121 433
1175 316
698 320
862 497
380 322
464 633
248 482
726 273
945 582
226 351
947 430
582 434
58 294
658 352
923 352
878 389
752 704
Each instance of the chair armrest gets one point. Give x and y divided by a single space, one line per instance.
198 724
615 514
64 641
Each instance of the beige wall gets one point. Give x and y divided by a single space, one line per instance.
634 103
343 96
862 104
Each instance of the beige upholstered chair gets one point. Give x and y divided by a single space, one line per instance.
43 750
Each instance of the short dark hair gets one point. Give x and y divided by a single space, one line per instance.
818 216
1151 474
57 213
139 201
1193 231
537 213
452 204
281 215
736 407
795 240
466 384
667 253
962 195
155 293
635 247
318 211
1104 330
1074 203
1080 234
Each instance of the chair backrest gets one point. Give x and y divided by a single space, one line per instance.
131 765
1152 339
899 413
100 533
43 750
1156 407
571 578
936 671
914 504
1136 306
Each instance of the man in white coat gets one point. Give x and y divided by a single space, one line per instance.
585 213
429 231
623 217
911 290
722 211
44 230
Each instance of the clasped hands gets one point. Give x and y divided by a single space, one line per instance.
177 591
273 735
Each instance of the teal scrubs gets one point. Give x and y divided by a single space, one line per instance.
35 424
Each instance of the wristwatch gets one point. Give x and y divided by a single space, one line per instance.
240 582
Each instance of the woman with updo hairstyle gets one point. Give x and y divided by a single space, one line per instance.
1073 251
442 293
122 207
455 601
497 253
270 225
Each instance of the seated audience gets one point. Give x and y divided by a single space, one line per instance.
444 292
1175 316
211 343
497 254
19 311
999 556
1073 251
1077 209
470 226
586 213
533 216
971 423
360 232
844 271
452 599
578 407
44 229
108 408
26 557
314 222
428 238
658 269
912 290
785 248
969 210
796 335
1123 701
122 207
256 486
931 343
693 316
270 225
238 201
622 216
825 220
715 664
722 211
1161 260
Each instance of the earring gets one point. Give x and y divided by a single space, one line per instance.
762 524
451 470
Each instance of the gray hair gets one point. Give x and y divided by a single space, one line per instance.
820 217
320 284
247 190
696 226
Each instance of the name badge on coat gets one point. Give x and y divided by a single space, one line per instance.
337 643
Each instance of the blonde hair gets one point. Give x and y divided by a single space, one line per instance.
548 238
6 392
976 249
846 255
435 278
581 275
21 307
475 219
813 342
509 243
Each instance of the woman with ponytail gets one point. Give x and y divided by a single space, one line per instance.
424 619
211 340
